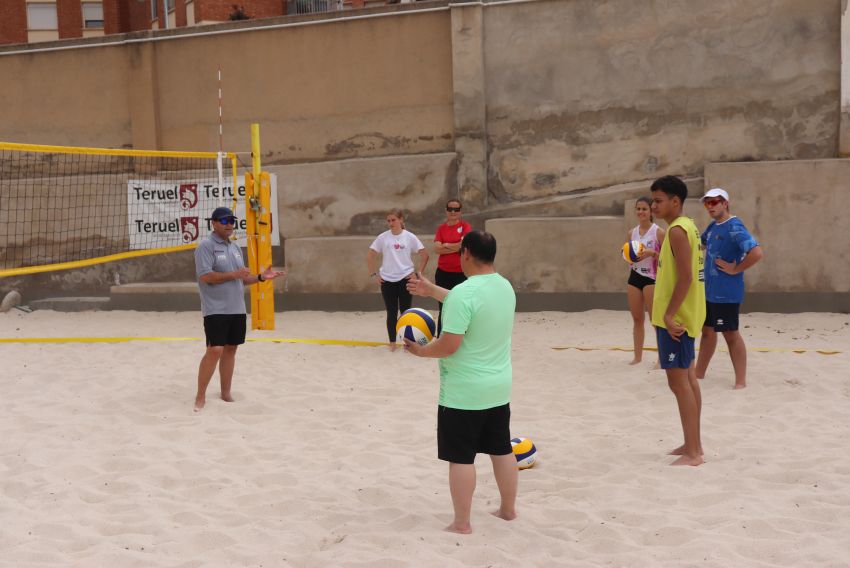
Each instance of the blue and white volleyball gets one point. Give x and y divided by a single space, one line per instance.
525 452
632 250
417 325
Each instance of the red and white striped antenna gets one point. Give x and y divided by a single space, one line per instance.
220 160
220 126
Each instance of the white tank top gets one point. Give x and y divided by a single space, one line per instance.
649 266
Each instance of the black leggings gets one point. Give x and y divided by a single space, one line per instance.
447 280
396 299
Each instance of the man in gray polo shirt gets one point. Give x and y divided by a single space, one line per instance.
222 277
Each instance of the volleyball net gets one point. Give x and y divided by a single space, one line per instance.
67 207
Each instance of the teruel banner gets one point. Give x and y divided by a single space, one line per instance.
172 213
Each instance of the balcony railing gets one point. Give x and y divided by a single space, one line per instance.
312 6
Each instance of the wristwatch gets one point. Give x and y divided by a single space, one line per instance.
260 278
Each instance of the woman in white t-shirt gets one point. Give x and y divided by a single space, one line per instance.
396 246
641 284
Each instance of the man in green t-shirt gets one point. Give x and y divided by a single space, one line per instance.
678 309
475 376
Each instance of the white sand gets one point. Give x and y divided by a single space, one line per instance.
327 458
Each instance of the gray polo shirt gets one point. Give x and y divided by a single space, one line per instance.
216 255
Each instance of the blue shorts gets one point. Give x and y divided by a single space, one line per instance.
674 354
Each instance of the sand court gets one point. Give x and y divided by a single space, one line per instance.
328 455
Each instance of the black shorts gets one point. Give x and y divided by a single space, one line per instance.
640 281
722 317
225 329
463 433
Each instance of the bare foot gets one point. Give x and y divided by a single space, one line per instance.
656 366
680 451
199 404
687 460
226 397
393 346
740 386
634 361
508 516
458 528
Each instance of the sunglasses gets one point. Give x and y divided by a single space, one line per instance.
712 202
227 220
453 209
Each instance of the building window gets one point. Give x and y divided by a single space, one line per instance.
42 16
93 15
155 9
169 5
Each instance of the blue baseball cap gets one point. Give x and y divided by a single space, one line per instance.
222 213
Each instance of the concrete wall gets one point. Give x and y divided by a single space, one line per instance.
337 265
79 97
368 87
588 93
552 254
798 211
338 90
470 103
571 94
352 197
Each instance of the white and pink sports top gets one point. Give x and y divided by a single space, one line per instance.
649 266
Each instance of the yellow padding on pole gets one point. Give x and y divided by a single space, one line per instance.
757 349
346 342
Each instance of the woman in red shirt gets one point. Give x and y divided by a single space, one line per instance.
447 246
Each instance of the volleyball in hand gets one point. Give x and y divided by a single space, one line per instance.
417 325
525 452
632 250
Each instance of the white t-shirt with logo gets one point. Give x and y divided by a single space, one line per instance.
396 251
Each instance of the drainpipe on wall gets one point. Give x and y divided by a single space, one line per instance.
844 135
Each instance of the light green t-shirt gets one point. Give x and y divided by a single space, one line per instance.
478 375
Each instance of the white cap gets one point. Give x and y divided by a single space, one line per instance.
716 192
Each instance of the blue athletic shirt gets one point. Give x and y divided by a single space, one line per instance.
730 241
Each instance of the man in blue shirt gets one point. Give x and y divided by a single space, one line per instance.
730 249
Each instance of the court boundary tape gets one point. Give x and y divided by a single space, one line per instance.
344 342
749 349
353 343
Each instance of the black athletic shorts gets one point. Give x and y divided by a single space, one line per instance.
640 281
463 433
225 329
722 317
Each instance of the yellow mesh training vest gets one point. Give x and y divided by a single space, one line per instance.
691 313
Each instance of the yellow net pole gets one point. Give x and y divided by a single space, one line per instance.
258 210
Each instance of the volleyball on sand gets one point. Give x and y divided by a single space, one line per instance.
525 452
417 325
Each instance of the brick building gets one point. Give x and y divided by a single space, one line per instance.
30 21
